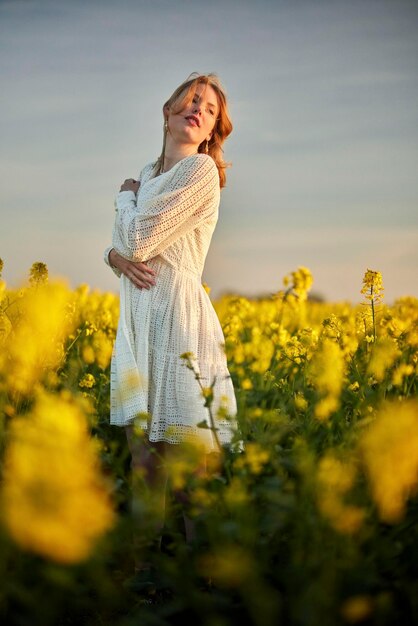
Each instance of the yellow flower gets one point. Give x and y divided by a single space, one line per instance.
36 342
38 273
87 382
254 458
373 286
335 478
230 566
88 354
301 281
300 402
55 501
390 454
207 394
402 371
327 370
246 384
235 494
206 288
384 354
182 462
357 609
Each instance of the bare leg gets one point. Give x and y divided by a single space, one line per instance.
149 480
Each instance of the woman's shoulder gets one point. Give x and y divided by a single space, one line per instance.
199 165
192 167
200 159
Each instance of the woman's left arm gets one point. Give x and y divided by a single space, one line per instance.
189 198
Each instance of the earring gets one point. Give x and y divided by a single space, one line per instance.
206 147
165 125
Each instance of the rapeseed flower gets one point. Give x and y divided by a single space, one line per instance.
401 372
357 609
299 282
38 273
230 566
36 341
335 478
389 450
87 382
383 356
254 459
327 369
373 291
373 286
55 502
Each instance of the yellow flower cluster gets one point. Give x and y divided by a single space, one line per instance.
384 354
335 478
97 316
327 369
299 282
292 360
54 500
254 458
373 286
390 453
40 321
230 566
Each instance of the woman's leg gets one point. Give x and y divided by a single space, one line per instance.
200 465
149 480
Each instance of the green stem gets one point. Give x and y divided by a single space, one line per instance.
373 315
211 419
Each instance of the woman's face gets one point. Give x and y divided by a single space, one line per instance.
196 121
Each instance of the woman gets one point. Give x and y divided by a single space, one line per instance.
163 228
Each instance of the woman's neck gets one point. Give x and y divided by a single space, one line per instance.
175 153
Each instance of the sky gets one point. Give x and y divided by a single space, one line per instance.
324 100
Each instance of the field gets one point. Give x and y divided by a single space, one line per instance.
313 523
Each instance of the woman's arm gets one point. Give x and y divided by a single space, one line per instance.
189 198
138 273
106 257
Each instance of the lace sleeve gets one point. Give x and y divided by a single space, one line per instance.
109 248
106 260
189 197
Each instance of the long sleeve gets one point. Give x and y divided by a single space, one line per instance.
106 260
109 248
145 229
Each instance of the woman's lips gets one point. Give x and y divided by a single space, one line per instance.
192 121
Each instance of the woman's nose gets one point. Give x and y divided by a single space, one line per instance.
197 107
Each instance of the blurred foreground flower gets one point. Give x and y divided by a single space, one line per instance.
357 609
230 566
335 479
54 500
36 342
390 453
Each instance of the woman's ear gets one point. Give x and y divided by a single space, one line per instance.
166 111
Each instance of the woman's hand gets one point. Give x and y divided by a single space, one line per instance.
130 184
138 273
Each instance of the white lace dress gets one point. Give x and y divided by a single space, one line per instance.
170 224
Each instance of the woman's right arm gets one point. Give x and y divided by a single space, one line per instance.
138 273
